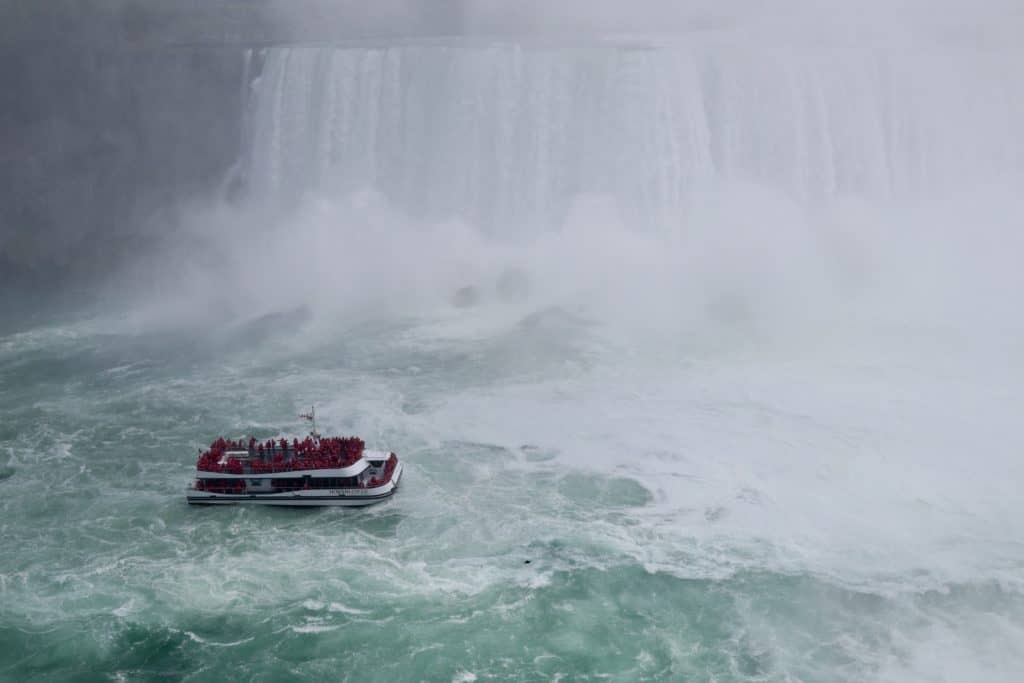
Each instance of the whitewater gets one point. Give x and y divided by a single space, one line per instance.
735 397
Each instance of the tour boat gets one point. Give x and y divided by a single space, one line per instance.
316 471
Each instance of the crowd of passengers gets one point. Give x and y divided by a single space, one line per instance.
282 456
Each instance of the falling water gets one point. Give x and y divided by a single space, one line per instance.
506 135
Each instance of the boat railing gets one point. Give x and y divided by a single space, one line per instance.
239 485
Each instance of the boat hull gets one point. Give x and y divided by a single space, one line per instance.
307 498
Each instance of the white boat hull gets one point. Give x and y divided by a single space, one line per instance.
304 498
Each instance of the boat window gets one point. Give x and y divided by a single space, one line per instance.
254 482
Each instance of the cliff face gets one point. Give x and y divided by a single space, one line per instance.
93 141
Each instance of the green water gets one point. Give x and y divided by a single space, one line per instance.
581 550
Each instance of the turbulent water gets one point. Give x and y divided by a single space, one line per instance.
737 397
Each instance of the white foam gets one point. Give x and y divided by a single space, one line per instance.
197 639
314 628
124 610
343 609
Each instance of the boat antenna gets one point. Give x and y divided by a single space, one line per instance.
311 416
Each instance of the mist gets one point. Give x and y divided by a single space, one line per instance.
928 20
741 175
695 325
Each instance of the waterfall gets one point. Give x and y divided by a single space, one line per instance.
504 136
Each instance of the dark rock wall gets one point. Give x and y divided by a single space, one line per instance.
94 142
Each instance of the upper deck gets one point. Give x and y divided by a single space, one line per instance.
327 457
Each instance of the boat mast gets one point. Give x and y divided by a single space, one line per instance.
311 416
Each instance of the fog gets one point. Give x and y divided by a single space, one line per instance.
734 167
120 119
578 17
